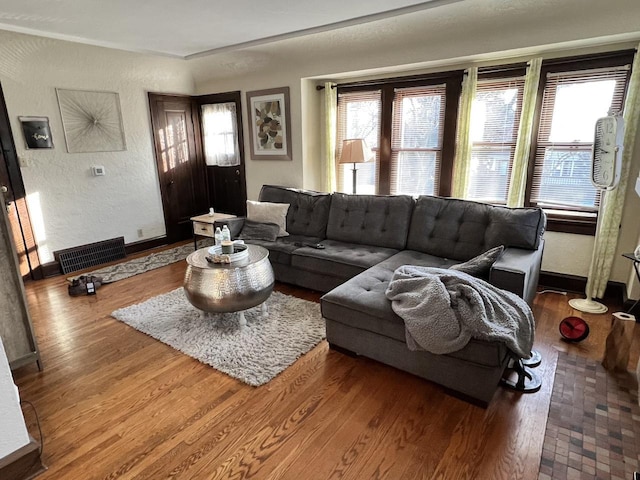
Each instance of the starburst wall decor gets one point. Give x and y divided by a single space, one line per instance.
92 121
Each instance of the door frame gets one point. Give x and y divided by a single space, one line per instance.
154 99
10 157
225 97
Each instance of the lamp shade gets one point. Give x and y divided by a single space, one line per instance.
355 150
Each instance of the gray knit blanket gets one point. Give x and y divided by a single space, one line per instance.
443 309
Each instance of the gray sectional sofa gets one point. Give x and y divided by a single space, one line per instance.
366 237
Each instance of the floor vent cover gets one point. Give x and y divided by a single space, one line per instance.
85 256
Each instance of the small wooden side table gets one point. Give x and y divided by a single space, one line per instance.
203 225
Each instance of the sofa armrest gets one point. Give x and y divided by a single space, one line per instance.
518 271
235 225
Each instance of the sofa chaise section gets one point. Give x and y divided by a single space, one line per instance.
443 232
460 230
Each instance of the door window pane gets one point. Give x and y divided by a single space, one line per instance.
219 134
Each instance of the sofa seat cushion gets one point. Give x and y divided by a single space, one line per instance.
339 259
365 292
361 303
281 249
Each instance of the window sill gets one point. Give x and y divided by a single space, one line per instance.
574 222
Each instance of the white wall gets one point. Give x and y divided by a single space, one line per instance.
13 431
450 36
69 206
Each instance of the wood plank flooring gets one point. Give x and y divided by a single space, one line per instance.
117 404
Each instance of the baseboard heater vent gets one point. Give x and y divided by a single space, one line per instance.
85 256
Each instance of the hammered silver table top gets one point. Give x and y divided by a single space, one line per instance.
221 287
199 258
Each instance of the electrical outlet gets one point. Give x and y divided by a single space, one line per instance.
140 233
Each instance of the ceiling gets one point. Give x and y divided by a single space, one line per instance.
192 28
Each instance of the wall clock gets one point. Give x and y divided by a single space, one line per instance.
607 150
92 121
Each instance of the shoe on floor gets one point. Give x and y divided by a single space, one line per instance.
79 285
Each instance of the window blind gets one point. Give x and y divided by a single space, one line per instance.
417 128
571 104
494 130
359 117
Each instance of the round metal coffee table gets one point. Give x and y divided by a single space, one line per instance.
233 287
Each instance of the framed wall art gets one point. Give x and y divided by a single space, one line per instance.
37 133
92 121
270 120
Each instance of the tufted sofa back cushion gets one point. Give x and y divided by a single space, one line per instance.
460 229
308 210
370 219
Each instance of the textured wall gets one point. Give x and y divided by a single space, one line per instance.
12 427
70 206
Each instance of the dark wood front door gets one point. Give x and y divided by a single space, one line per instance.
227 184
14 198
181 169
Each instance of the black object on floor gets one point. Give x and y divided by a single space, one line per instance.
526 381
84 285
534 361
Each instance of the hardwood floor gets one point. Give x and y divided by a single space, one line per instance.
117 404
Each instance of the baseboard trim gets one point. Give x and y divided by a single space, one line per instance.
23 464
51 269
142 245
578 284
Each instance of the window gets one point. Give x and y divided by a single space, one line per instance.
410 124
359 117
416 139
574 97
494 132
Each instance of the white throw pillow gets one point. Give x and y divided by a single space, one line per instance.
266 212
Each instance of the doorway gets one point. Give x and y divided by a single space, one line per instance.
183 185
223 148
200 157
14 199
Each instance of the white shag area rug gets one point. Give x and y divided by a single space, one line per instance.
254 354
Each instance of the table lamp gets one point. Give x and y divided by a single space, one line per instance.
355 150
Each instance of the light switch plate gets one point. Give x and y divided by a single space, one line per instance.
98 170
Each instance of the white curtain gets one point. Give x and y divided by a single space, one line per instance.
219 134
463 152
518 183
330 125
608 230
